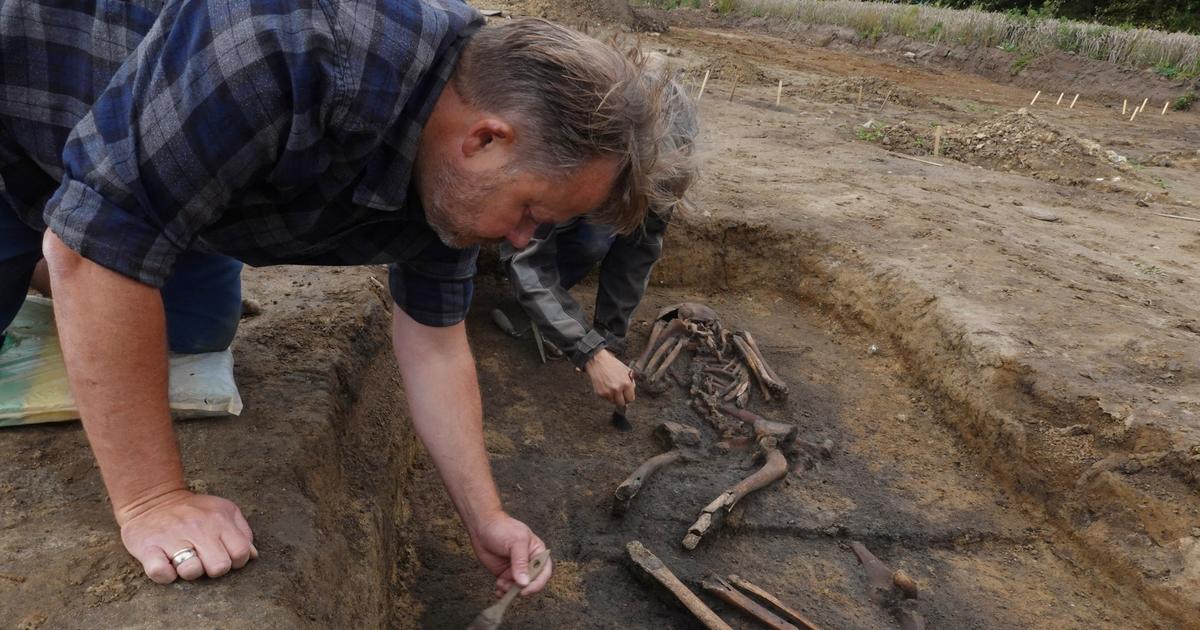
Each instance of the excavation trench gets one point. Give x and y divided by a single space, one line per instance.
926 481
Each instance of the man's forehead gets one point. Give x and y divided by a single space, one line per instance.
585 190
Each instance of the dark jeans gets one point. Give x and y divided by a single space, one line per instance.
202 298
580 249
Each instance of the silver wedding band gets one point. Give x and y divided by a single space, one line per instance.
183 555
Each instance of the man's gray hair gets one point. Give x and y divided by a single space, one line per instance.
580 99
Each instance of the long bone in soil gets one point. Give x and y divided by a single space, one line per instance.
774 468
725 592
683 443
647 566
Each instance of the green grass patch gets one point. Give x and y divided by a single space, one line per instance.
1019 65
1184 103
870 134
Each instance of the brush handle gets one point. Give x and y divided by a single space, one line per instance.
491 616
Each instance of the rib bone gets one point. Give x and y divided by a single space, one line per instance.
651 344
670 331
670 338
666 364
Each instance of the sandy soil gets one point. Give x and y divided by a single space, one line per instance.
1025 442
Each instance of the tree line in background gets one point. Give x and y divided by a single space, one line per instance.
1169 15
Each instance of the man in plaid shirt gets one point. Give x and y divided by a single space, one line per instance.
149 148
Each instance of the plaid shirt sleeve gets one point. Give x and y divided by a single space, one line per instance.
220 93
435 287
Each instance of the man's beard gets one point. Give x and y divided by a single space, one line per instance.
454 201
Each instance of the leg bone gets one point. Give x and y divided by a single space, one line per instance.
772 470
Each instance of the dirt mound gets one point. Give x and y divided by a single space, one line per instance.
1018 141
575 12
726 68
871 89
1176 159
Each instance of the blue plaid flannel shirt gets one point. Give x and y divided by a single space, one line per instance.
273 131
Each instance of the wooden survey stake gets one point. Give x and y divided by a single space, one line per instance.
1035 98
702 84
779 94
937 141
1073 102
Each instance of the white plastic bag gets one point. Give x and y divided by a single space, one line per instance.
33 378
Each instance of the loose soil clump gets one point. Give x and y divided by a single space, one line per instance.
874 90
1019 142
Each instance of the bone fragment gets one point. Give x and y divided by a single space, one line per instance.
647 564
879 575
907 585
681 443
737 389
748 356
633 483
773 469
886 585
719 587
719 374
794 616
774 382
785 433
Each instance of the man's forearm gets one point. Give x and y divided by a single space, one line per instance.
113 336
443 397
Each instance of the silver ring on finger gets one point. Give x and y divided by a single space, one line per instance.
183 555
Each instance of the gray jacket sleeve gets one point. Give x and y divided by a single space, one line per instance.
624 275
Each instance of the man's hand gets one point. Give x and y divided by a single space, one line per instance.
612 380
212 526
443 397
114 343
505 546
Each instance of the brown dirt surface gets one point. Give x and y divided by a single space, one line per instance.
1005 360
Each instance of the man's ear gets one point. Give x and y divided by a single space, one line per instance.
488 135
